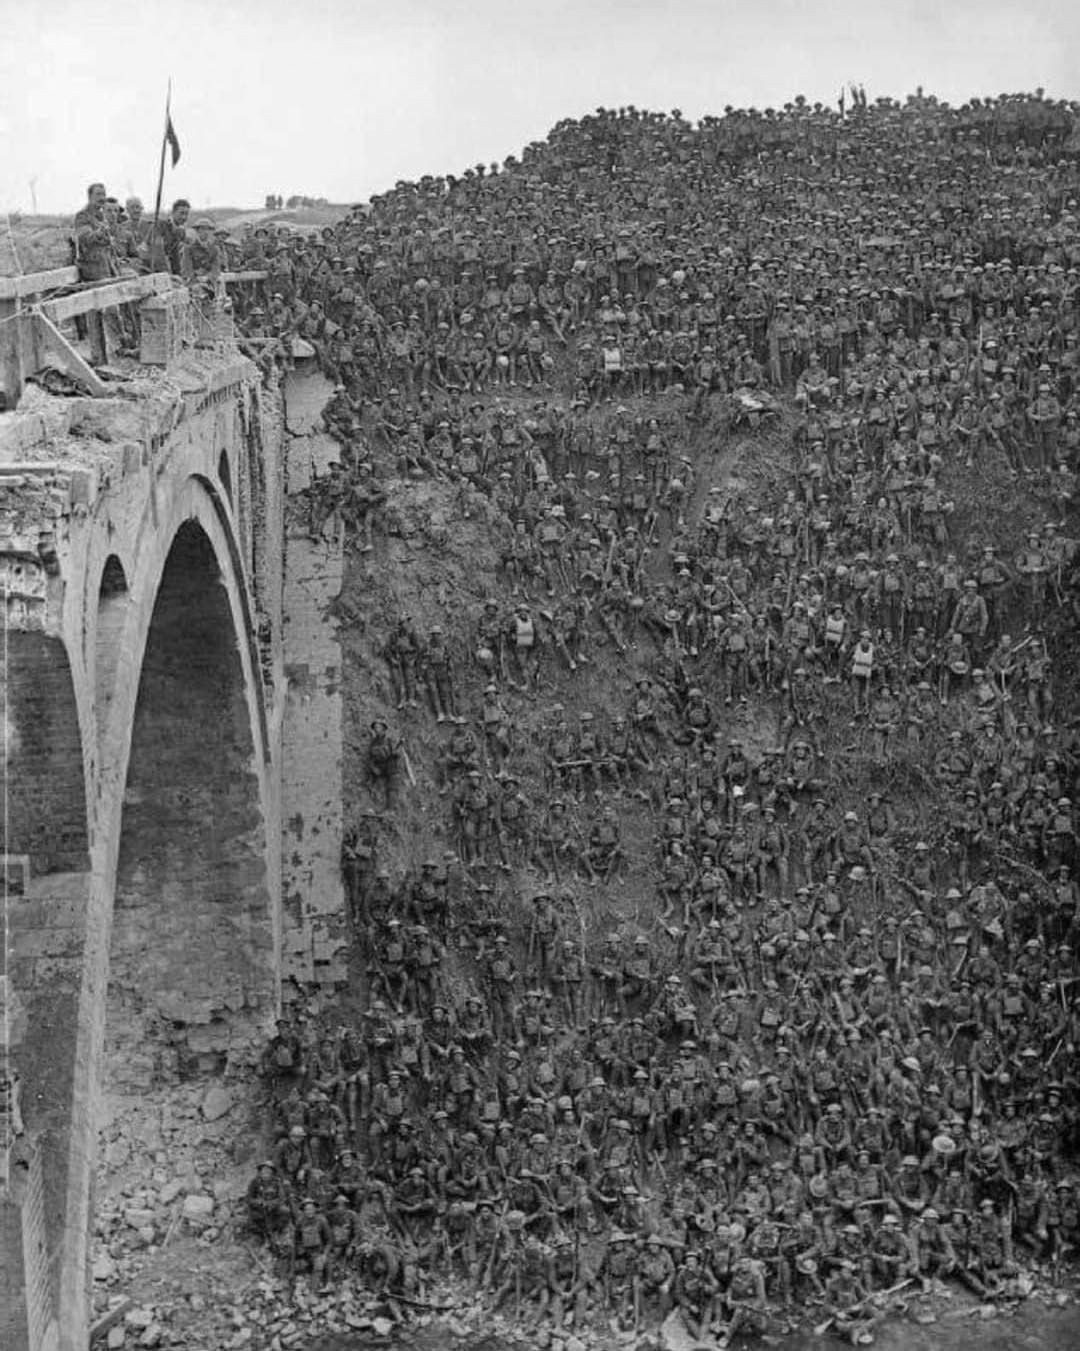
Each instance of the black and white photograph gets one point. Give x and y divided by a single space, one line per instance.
539 675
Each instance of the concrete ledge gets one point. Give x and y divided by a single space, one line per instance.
37 283
110 295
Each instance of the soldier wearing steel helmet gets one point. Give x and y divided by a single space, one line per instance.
200 258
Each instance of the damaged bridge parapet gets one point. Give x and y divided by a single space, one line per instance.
171 719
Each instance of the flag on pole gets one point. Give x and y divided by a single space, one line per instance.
159 260
172 139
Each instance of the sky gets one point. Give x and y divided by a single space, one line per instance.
342 98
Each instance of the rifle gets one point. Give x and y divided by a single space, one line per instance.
408 765
610 556
555 862
423 1304
821 1328
489 1265
612 631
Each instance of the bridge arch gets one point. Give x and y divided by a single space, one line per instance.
191 948
183 918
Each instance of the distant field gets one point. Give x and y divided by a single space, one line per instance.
303 217
37 243
33 244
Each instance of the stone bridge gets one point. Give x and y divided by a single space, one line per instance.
171 746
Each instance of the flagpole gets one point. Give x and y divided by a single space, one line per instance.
161 176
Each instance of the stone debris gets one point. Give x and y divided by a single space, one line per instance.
217 1103
170 1191
104 1268
673 1334
198 1208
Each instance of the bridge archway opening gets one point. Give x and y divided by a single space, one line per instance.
191 970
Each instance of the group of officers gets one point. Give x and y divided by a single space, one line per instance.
110 238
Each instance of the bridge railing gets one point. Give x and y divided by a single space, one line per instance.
33 308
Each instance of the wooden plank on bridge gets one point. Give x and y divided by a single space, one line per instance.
106 297
37 283
53 342
29 342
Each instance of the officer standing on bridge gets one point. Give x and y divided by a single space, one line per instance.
93 241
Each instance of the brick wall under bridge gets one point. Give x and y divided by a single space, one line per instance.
152 737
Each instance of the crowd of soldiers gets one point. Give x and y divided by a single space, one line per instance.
836 1056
